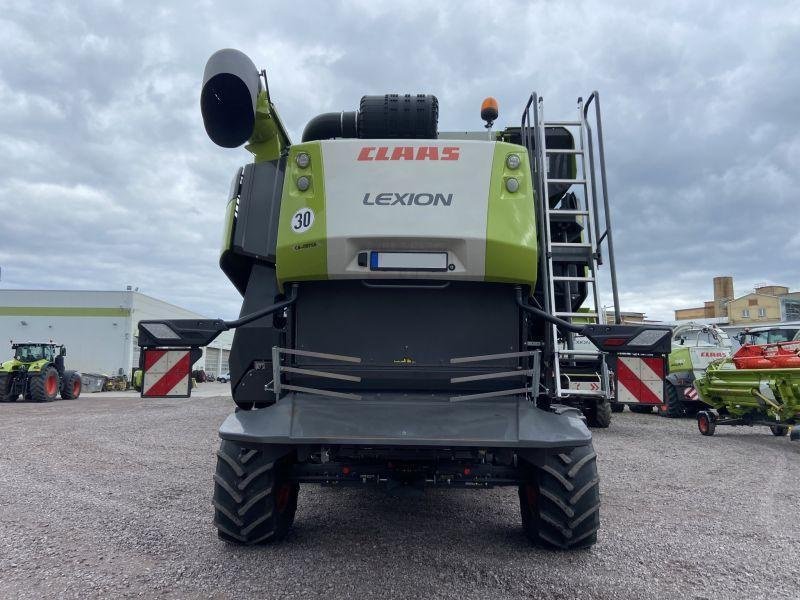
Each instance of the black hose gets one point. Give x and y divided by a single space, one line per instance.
254 316
560 323
332 125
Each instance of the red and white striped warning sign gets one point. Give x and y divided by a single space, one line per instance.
166 373
690 393
640 379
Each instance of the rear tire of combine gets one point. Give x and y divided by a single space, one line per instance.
44 386
254 500
617 407
674 406
779 430
560 506
6 381
641 409
71 385
599 415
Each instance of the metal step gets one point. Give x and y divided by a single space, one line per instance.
562 124
573 278
571 253
570 244
573 181
568 211
563 151
565 393
592 315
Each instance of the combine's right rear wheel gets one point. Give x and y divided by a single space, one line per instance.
599 415
560 505
254 500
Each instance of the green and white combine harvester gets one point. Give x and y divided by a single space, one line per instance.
758 385
408 305
694 347
37 373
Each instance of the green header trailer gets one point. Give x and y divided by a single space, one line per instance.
408 306
759 385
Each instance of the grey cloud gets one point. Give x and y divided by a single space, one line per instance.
107 177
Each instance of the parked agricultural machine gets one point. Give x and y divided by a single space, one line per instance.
758 385
37 372
408 309
694 347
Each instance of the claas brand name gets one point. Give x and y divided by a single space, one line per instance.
409 153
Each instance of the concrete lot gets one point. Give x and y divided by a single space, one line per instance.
111 496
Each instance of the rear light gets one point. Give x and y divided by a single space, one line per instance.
615 342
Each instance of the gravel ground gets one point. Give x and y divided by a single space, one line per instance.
111 497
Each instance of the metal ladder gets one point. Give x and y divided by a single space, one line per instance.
586 249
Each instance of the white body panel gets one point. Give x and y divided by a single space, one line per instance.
442 208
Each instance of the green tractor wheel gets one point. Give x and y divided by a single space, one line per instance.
71 385
6 381
44 386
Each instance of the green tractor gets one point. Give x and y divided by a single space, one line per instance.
37 373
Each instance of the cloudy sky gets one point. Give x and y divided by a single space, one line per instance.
107 177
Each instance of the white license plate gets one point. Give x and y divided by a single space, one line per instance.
408 261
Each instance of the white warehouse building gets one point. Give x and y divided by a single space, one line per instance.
98 328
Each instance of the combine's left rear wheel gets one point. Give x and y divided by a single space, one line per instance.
560 504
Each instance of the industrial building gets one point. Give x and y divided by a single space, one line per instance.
765 304
99 328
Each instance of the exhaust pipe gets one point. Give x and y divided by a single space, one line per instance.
231 84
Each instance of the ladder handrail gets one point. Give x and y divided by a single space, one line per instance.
533 135
595 96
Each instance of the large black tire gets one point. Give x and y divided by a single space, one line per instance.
599 415
254 500
779 430
71 385
6 381
44 386
675 408
617 407
642 409
560 505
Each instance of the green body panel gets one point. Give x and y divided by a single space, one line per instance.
302 256
680 360
33 367
269 135
511 245
751 392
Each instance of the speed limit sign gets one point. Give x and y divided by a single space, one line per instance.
302 220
